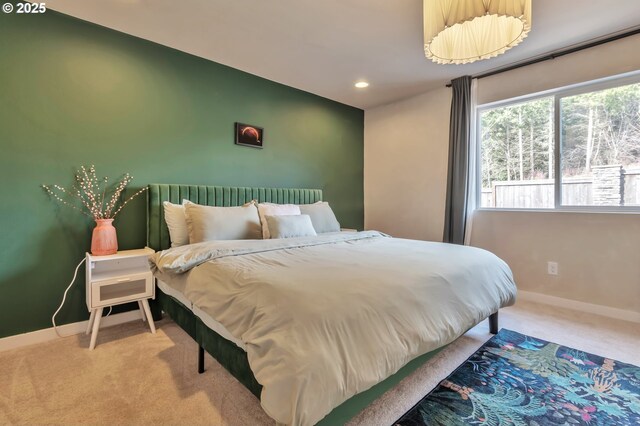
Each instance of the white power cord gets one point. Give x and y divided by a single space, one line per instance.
64 297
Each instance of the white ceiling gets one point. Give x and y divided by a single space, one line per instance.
324 46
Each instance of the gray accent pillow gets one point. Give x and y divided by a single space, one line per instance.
290 226
207 223
322 217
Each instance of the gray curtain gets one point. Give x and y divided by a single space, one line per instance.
458 175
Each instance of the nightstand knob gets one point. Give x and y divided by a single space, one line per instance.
124 280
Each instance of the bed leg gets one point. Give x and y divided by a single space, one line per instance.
200 360
156 309
493 323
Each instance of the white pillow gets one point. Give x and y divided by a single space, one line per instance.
206 223
270 209
290 226
176 222
322 217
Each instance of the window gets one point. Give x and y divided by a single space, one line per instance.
574 148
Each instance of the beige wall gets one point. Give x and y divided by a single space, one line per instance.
598 62
405 173
598 254
405 182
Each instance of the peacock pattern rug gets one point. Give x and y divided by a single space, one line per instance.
519 380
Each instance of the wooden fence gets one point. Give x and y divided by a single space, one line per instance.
540 193
632 187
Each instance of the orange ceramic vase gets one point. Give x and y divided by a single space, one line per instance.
104 240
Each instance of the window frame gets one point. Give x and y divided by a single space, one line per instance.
557 95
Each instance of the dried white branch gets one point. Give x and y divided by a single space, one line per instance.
127 201
92 197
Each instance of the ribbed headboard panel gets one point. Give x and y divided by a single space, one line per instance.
157 231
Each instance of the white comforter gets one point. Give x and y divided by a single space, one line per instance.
327 317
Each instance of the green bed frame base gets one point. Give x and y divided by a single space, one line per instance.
227 353
235 360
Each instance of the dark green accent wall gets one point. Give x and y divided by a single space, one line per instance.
74 93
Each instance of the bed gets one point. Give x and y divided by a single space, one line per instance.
318 327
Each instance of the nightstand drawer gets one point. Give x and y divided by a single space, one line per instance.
121 289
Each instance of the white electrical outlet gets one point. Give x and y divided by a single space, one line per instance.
552 268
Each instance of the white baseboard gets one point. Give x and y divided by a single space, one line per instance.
605 311
65 330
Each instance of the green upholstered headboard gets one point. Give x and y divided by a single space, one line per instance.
157 231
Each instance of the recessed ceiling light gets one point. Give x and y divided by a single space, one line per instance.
362 84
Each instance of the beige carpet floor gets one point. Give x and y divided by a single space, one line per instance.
134 377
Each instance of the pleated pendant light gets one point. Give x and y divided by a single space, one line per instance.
465 31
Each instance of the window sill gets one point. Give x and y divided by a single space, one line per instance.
588 210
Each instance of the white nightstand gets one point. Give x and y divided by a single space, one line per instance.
116 279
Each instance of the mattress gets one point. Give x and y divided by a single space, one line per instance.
206 319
